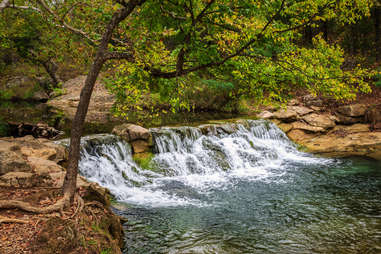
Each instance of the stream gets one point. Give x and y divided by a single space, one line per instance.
238 188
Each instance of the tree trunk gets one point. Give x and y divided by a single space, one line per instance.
51 68
70 183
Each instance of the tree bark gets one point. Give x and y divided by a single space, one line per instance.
51 68
70 183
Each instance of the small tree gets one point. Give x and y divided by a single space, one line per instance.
158 44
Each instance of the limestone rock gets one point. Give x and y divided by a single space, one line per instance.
342 119
285 127
285 115
306 127
140 146
43 166
40 96
373 116
300 136
131 132
24 180
356 144
265 115
293 102
310 100
11 161
100 104
301 110
354 110
319 120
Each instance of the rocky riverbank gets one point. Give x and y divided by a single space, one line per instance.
348 130
32 170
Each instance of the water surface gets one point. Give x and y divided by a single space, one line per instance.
243 188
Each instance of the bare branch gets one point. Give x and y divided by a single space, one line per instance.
119 55
7 4
171 14
64 24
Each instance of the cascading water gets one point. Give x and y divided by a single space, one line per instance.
187 159
238 188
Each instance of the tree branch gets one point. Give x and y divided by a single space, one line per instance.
158 73
119 55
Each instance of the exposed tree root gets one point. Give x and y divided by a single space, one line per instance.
56 207
9 220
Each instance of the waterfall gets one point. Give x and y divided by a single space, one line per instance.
191 161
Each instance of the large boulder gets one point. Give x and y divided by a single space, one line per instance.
354 110
131 132
319 120
140 138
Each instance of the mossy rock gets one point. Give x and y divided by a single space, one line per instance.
145 161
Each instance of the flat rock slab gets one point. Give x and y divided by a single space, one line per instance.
355 144
319 120
100 104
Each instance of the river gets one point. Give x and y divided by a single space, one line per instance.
238 188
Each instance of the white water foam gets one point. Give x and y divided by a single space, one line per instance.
192 161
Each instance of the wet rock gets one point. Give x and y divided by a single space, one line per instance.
140 146
208 129
354 110
285 115
94 192
131 132
319 120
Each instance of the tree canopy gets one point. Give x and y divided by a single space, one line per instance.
248 48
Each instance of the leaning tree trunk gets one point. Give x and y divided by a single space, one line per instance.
70 183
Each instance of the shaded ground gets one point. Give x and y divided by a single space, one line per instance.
88 229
